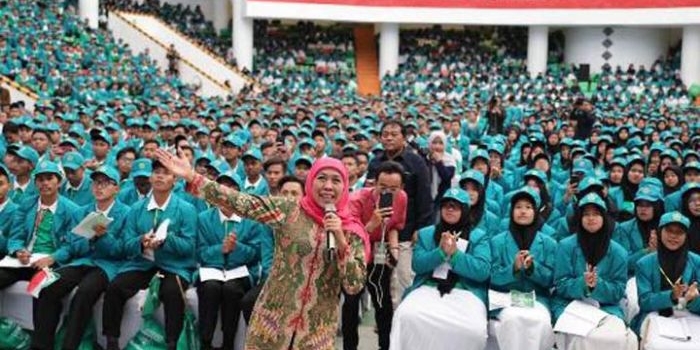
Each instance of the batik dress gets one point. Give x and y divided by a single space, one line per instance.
298 306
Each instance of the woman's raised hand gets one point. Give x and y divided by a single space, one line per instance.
178 165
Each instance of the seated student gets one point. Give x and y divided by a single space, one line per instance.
22 160
289 186
139 187
225 242
7 209
522 259
78 187
690 208
481 209
101 146
623 196
255 182
302 165
40 226
146 256
446 308
590 266
639 237
667 282
481 162
94 262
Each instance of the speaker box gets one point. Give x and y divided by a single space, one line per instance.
584 72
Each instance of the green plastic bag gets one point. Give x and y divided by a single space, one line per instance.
151 336
151 303
86 343
189 339
12 336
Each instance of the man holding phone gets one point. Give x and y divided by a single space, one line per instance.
382 209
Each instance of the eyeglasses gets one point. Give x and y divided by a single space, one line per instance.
103 183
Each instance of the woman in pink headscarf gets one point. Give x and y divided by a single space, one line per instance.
298 306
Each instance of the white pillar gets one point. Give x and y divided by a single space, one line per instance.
537 45
90 10
388 48
222 14
242 36
690 55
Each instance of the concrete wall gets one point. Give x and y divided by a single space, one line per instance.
630 45
17 95
211 9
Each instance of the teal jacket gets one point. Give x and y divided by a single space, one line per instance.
629 237
267 250
539 278
673 201
651 298
128 194
22 229
211 234
29 192
472 266
104 252
177 254
6 216
570 264
261 189
83 195
489 223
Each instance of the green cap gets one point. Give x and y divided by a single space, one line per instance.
674 217
594 199
108 171
456 194
47 167
72 160
528 193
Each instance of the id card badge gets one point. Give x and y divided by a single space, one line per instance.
442 271
522 299
462 244
592 302
379 253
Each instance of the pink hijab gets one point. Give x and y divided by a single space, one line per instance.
316 212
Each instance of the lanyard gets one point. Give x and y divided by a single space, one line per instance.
668 280
155 219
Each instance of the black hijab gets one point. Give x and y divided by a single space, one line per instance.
672 262
645 227
594 244
524 235
445 286
694 229
476 211
629 190
679 173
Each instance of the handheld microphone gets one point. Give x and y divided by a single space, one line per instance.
330 237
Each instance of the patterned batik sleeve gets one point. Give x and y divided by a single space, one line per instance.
353 270
267 210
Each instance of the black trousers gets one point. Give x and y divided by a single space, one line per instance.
9 276
248 302
225 296
127 284
378 284
91 282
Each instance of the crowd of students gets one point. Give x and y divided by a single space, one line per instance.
502 186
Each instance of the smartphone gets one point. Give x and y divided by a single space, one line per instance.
386 200
575 179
